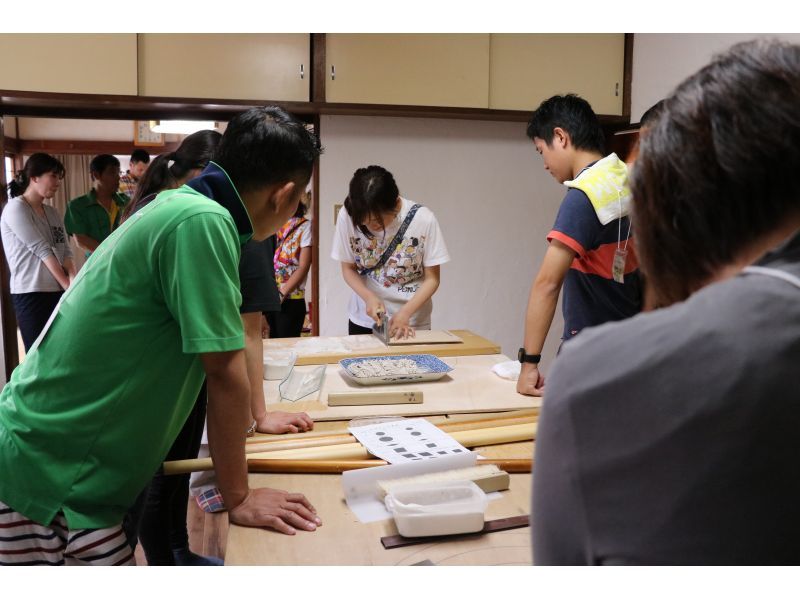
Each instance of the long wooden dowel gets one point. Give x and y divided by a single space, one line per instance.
316 466
296 443
355 451
457 419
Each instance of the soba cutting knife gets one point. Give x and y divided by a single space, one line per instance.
382 330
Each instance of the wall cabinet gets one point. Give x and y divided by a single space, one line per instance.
241 66
528 68
96 63
408 69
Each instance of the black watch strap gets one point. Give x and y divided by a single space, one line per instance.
526 358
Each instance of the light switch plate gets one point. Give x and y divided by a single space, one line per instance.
336 208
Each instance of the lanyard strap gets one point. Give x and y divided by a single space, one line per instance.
395 241
47 221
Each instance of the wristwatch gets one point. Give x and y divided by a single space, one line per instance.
525 358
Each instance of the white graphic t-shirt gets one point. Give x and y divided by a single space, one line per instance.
396 281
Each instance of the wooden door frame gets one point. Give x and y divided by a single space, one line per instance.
45 105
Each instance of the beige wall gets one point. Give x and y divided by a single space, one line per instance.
491 195
662 60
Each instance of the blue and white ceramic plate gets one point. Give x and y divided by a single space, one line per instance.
427 368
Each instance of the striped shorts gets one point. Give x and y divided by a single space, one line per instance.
25 542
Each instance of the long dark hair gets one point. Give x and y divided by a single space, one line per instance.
373 192
195 151
716 167
37 165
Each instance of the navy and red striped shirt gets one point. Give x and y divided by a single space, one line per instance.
591 296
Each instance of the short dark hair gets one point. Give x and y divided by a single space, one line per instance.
651 114
102 161
37 164
373 192
267 145
571 113
716 169
140 155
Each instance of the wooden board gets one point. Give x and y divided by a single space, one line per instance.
374 397
471 387
314 350
251 546
428 337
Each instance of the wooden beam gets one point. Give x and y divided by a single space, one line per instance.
315 241
7 317
11 145
88 147
627 77
77 105
318 67
146 108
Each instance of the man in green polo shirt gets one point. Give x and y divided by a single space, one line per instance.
94 216
101 396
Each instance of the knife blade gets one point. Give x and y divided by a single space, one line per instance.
382 330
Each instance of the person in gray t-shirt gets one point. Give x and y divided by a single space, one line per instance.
36 245
672 437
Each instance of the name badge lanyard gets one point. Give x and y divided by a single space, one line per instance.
621 253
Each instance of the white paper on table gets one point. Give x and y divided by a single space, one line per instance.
360 486
406 440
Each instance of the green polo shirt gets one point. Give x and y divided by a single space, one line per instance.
87 217
88 417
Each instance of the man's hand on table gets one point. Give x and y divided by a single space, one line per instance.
280 422
277 509
531 381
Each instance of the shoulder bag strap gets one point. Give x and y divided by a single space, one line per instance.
397 239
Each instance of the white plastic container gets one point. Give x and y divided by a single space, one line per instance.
278 364
437 509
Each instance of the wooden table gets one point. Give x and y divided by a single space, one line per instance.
331 349
343 540
471 387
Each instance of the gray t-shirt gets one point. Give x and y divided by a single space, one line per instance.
27 240
674 437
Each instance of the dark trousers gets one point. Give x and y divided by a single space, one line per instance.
289 321
33 310
356 329
159 515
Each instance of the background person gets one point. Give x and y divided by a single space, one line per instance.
36 246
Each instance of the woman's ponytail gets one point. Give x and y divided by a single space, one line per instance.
18 185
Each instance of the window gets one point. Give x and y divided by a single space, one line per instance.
9 170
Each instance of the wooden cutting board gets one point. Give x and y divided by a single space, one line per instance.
471 387
428 337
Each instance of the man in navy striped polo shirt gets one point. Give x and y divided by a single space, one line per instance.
590 253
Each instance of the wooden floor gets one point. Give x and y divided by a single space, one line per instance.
208 533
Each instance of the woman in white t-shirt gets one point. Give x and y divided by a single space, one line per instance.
391 250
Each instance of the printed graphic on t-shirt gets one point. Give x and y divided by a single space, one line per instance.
58 235
397 280
403 267
287 255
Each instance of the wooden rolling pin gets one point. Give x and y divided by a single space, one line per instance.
355 451
316 466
